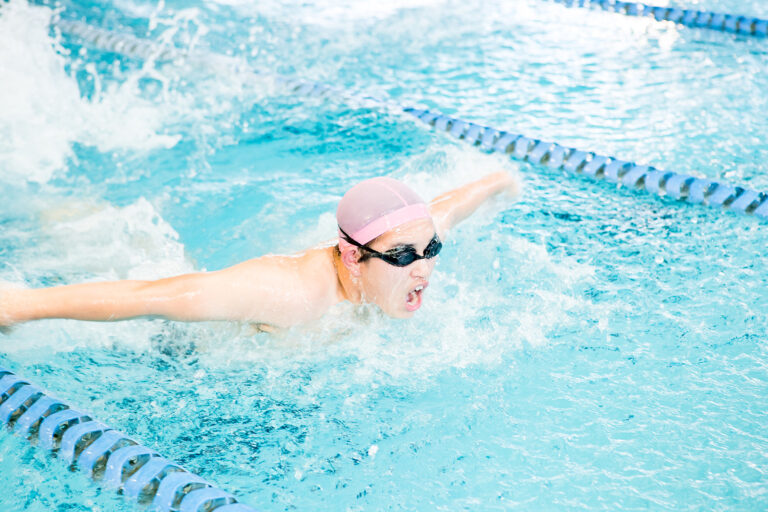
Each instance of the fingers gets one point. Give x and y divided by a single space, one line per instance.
508 183
514 186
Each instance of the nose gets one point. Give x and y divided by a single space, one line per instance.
422 268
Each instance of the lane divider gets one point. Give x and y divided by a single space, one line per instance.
744 25
106 455
684 187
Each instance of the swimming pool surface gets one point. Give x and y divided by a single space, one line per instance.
582 348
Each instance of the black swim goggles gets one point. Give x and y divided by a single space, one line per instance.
400 256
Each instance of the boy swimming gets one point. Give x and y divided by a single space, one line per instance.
387 244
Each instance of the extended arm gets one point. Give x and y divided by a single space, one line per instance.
177 298
456 205
251 291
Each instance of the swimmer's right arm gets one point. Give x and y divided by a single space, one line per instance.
456 205
171 298
240 293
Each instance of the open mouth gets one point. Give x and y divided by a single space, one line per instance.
413 301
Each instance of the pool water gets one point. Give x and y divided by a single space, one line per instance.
583 347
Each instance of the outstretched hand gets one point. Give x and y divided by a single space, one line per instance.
6 322
510 183
452 207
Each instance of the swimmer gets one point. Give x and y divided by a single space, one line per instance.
388 240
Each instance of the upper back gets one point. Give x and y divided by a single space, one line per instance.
287 290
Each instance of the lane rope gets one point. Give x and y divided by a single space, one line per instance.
734 23
104 454
696 190
684 187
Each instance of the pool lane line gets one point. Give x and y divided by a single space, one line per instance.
107 456
684 187
734 23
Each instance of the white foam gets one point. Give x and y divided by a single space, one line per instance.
81 241
444 333
44 113
468 319
444 167
329 13
108 242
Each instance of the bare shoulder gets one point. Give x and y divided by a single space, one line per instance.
288 289
307 269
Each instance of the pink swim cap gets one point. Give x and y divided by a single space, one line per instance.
374 206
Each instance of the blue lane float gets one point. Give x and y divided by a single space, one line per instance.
635 176
734 23
682 187
106 455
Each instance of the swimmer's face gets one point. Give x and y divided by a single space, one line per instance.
396 290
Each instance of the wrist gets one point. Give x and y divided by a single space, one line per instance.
16 305
7 307
504 182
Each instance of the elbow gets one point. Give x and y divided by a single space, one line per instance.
172 299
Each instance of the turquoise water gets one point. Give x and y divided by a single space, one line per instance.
580 348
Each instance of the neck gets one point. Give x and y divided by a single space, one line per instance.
348 285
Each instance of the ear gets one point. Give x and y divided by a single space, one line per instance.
350 259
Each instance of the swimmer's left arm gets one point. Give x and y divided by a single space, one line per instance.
454 206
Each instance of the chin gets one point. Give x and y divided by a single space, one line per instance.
402 314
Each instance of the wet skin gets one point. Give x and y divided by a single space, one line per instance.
272 290
389 286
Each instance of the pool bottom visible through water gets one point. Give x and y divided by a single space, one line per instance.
579 347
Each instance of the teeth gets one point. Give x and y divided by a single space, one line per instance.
418 288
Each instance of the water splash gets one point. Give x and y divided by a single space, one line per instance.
44 113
